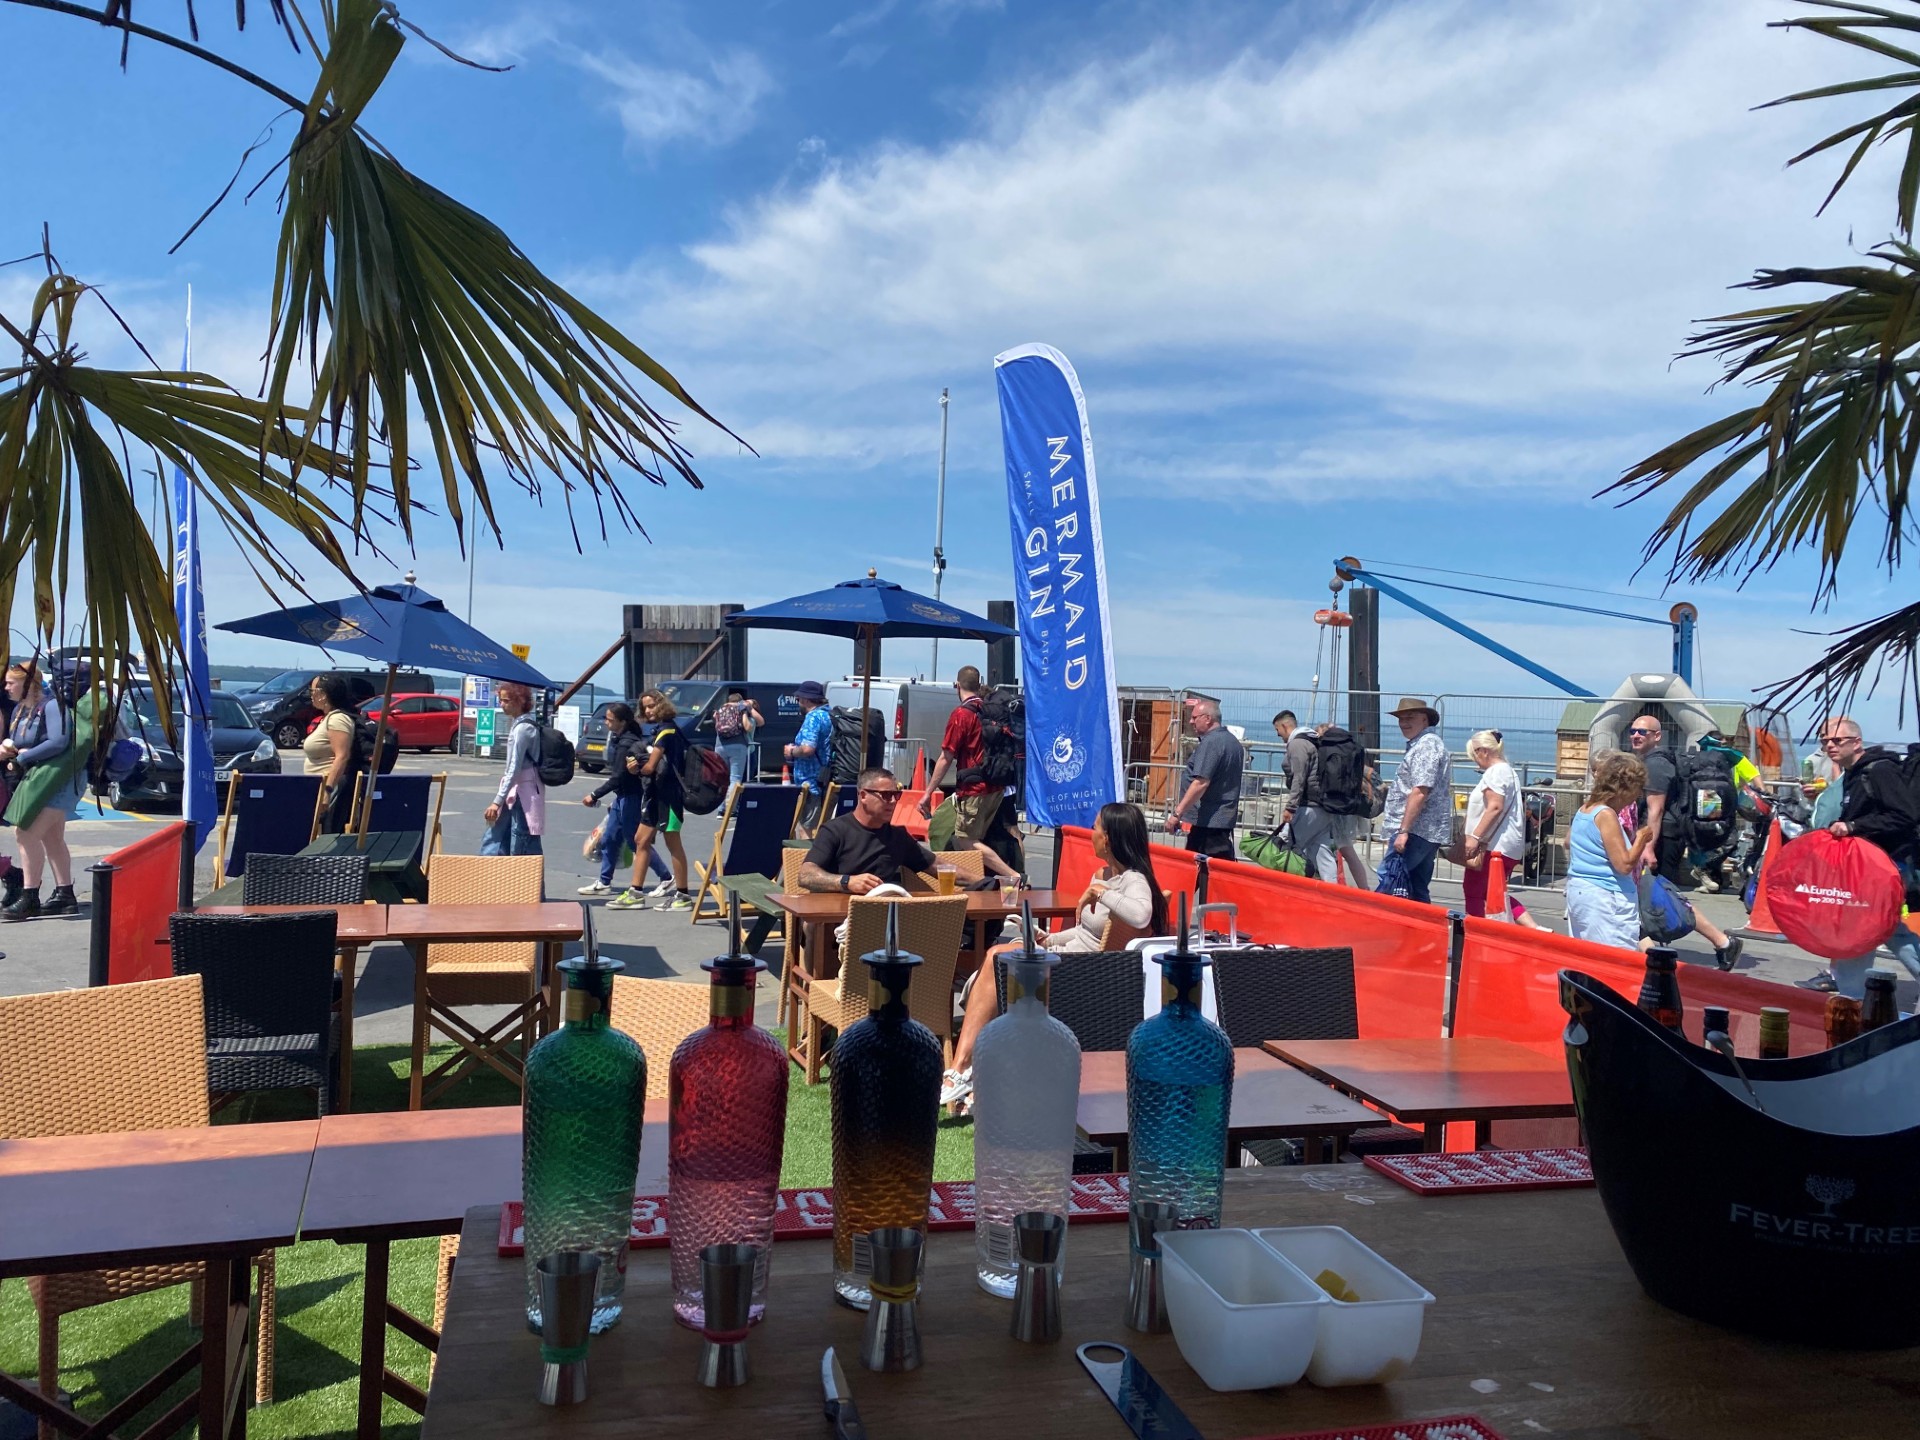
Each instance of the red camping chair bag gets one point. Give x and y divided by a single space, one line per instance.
1834 896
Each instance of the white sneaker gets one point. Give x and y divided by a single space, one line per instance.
596 888
662 891
956 1086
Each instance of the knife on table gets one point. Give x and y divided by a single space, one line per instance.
841 1410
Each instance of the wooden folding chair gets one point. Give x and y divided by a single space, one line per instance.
930 927
491 972
273 814
763 817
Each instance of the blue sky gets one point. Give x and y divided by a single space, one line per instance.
1400 281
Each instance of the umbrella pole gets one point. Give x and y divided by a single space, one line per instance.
379 744
866 696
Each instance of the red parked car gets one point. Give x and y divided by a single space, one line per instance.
426 722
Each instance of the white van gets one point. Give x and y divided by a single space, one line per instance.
915 711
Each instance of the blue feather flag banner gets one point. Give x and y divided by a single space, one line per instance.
1060 589
200 801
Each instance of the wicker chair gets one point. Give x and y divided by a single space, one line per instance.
268 984
304 880
658 1014
498 972
118 1057
930 927
1095 994
1282 994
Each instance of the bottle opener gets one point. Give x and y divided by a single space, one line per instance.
1148 1410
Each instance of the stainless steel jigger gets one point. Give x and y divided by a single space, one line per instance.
892 1340
1038 1236
568 1280
1146 1302
726 1297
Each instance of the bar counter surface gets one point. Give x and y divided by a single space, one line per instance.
1538 1327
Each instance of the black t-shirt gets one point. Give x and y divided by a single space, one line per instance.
843 846
1663 778
665 780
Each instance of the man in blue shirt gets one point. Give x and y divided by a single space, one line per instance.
811 752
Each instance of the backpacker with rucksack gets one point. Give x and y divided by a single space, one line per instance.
847 761
553 756
1339 774
704 780
1003 732
1709 801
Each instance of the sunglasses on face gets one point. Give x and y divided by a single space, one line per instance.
1637 731
1839 739
886 793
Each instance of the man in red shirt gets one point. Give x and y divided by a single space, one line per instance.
963 748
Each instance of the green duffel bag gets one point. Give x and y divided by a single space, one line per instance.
1273 853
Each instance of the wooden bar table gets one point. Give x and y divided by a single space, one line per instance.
1431 1081
357 925
551 924
1538 1326
382 1178
818 912
216 1194
1270 1099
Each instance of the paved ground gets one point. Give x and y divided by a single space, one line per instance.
52 954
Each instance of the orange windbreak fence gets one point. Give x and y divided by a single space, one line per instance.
1509 976
135 890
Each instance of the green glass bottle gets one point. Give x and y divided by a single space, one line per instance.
580 1146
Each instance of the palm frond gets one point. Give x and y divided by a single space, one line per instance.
400 301
1860 657
65 433
1831 445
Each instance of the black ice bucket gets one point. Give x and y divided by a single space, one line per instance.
1792 1211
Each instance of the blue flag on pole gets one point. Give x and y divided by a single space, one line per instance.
1060 589
199 801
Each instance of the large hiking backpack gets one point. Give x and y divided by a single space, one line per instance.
704 779
364 731
553 757
847 760
1340 774
1709 800
1003 731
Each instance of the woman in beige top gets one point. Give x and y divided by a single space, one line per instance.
1124 890
328 750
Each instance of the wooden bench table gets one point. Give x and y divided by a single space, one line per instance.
1539 1327
1430 1081
216 1194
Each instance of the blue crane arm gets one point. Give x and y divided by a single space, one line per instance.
1486 641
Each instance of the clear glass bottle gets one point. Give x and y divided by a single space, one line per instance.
886 1102
580 1137
1026 1090
1179 1090
727 1123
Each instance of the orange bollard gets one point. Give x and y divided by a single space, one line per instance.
1760 922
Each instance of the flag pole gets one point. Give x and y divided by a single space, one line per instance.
940 526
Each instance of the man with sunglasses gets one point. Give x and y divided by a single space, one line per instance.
857 852
1659 806
1867 799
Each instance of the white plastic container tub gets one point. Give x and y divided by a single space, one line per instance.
1244 1318
1363 1342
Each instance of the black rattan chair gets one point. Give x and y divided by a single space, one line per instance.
304 880
1275 993
1096 994
268 983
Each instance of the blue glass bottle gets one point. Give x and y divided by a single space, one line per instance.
1179 1089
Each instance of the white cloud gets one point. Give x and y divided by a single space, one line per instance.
862 20
713 103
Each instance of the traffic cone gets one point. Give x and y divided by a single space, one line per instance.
786 774
1760 922
919 770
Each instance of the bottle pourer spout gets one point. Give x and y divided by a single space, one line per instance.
1180 931
893 929
1026 925
733 925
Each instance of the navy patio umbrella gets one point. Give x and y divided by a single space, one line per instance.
395 625
869 610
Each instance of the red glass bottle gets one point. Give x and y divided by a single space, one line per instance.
727 1120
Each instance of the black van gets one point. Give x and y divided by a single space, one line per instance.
696 700
284 710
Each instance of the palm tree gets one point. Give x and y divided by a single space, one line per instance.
1832 441
407 334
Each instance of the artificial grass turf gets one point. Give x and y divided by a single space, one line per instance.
107 1351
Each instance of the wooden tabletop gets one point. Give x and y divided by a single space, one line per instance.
819 906
80 1202
1538 1327
392 1176
1434 1079
357 923
542 920
1270 1098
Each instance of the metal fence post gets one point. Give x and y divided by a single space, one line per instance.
100 935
